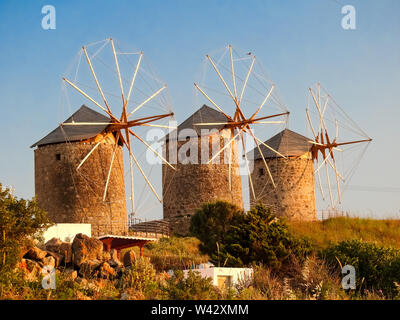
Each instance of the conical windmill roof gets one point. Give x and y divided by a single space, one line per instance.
78 132
204 115
286 142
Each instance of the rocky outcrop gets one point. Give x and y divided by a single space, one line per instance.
86 249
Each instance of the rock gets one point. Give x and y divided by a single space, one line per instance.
57 257
35 254
106 271
49 261
114 260
85 249
88 268
33 270
62 248
129 258
71 274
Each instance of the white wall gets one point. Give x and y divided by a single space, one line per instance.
67 231
213 273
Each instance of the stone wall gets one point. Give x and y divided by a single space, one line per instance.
191 185
76 196
294 196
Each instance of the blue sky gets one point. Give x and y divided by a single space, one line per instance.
299 43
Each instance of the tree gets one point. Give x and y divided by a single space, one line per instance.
257 236
20 221
211 224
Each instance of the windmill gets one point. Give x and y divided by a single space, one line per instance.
335 134
239 85
128 73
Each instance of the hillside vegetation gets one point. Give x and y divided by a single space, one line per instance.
324 233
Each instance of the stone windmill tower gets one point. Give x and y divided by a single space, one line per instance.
294 193
195 181
76 196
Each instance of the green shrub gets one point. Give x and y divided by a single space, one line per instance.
192 287
245 238
141 276
20 222
377 267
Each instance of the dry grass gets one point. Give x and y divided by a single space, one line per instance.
324 233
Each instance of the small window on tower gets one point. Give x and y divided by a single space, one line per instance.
58 156
261 172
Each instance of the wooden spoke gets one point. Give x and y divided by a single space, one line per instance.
247 166
320 186
133 78
270 148
147 100
109 170
310 123
209 99
145 177
90 152
247 78
263 103
221 78
262 157
90 98
233 74
153 150
118 72
225 146
95 79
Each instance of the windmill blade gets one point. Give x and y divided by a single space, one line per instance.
329 184
270 148
209 99
145 177
262 156
320 186
152 149
233 73
95 79
90 152
90 98
134 78
246 79
247 166
263 103
221 78
118 72
225 146
147 100
309 122
109 170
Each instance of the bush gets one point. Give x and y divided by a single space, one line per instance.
141 276
377 267
192 287
175 253
20 222
242 239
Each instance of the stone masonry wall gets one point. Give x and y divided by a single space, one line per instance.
191 185
294 196
76 196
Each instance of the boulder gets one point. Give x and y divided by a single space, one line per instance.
35 254
85 249
62 248
49 261
129 258
33 270
114 260
58 258
88 268
71 274
106 271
